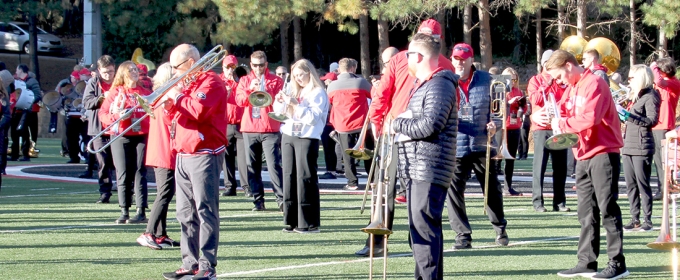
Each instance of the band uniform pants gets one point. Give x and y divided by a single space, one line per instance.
165 190
329 154
301 201
268 144
425 203
197 179
73 128
597 187
637 170
513 141
235 154
658 157
524 142
559 166
105 163
128 154
455 198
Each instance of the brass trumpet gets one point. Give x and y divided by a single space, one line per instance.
559 141
260 98
210 60
281 116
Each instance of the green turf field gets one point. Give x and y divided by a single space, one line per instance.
52 230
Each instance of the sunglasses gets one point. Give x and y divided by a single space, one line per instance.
232 66
178 65
411 53
258 65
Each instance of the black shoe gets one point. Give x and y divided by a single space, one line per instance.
633 225
205 274
511 192
462 244
140 218
540 209
25 159
577 271
147 240
73 161
177 274
288 229
646 226
86 175
561 208
12 158
657 196
123 219
230 192
259 207
104 198
613 271
502 239
367 250
307 230
328 176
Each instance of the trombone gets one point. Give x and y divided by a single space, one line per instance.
150 102
559 140
360 152
260 98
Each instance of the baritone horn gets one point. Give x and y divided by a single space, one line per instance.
150 102
260 98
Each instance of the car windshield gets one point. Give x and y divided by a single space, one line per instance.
24 26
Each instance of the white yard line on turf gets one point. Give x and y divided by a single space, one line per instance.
43 194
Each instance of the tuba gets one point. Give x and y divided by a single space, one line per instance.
260 98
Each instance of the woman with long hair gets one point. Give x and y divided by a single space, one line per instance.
128 151
515 101
161 157
306 105
639 116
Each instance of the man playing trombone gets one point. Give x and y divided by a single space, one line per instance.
425 136
475 136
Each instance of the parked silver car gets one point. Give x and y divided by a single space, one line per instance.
14 37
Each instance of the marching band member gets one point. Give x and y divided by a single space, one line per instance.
5 80
475 126
128 151
307 108
669 90
514 124
590 112
261 134
162 158
428 158
349 106
95 91
25 122
391 98
144 80
73 120
236 150
541 86
638 143
591 61
196 115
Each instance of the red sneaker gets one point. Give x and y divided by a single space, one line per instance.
165 241
400 199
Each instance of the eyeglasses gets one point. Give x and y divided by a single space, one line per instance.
459 48
258 65
229 67
515 80
178 65
280 74
385 63
410 53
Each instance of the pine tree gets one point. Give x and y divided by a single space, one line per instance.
664 14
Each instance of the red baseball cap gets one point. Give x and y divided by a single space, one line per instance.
431 27
142 69
76 75
230 59
330 76
84 71
463 51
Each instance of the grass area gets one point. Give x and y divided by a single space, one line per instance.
53 230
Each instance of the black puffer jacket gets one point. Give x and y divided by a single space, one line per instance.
430 155
644 115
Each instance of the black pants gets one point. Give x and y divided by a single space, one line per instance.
301 202
455 199
268 144
425 208
165 190
74 127
16 133
658 159
3 147
128 153
513 141
524 142
391 191
637 170
329 153
105 162
559 167
235 152
597 181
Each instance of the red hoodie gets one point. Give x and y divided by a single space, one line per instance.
234 112
538 84
669 89
159 152
130 101
513 110
273 84
590 112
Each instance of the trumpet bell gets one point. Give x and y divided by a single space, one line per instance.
561 141
360 154
260 99
278 117
377 228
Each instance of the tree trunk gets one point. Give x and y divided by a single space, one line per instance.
467 24
539 40
383 37
485 34
363 38
633 33
297 39
283 29
441 18
581 17
33 45
561 19
662 45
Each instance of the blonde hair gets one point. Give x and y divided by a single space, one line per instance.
123 74
307 67
643 78
163 74
510 71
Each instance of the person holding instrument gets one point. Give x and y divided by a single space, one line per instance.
515 101
236 151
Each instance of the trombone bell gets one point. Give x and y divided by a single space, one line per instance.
377 228
361 154
561 141
278 117
260 99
